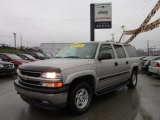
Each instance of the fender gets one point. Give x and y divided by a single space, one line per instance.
75 75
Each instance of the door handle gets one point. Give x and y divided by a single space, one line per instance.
116 63
127 62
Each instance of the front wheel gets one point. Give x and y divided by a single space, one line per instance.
80 98
133 80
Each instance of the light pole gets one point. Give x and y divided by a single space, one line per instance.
21 40
14 40
148 46
112 37
123 27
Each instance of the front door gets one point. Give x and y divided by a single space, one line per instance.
107 69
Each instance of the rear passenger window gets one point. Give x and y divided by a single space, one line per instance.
107 48
120 51
132 52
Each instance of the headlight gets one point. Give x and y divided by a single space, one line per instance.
53 79
1 66
51 75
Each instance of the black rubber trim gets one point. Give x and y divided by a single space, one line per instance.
111 76
42 89
111 88
39 68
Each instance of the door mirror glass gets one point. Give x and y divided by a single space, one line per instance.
105 56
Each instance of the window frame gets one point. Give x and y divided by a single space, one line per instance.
114 55
126 55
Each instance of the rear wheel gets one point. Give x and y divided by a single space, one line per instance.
133 79
80 98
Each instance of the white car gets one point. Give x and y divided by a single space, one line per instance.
154 67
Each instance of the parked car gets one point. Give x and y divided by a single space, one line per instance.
154 68
48 55
38 55
6 68
27 57
16 60
78 72
146 62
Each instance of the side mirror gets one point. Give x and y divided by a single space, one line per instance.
0 59
104 56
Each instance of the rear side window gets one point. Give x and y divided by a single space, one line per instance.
120 51
132 52
107 48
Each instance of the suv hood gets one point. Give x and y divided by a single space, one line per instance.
62 63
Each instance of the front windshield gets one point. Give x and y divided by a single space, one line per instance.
29 56
40 54
83 51
14 57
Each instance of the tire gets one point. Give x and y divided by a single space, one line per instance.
80 98
133 80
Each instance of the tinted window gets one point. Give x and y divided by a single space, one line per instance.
40 54
107 48
120 51
132 52
14 57
23 57
3 57
29 56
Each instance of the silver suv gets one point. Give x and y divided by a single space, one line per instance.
78 72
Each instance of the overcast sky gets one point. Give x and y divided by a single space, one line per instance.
46 21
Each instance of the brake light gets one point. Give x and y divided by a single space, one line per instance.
158 65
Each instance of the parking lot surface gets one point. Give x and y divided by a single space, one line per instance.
142 103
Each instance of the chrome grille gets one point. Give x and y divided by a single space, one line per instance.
29 78
30 73
29 82
8 66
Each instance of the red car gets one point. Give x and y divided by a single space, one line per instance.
27 57
16 60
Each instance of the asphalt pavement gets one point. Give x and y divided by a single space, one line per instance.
142 103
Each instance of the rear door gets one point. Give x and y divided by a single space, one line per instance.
123 63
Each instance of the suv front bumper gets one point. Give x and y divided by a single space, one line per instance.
55 97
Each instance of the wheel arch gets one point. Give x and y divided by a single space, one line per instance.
90 79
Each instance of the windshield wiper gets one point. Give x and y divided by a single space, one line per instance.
71 57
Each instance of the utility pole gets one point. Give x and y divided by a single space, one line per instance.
112 37
154 50
14 40
148 46
21 40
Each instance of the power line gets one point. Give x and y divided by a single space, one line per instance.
137 15
137 11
